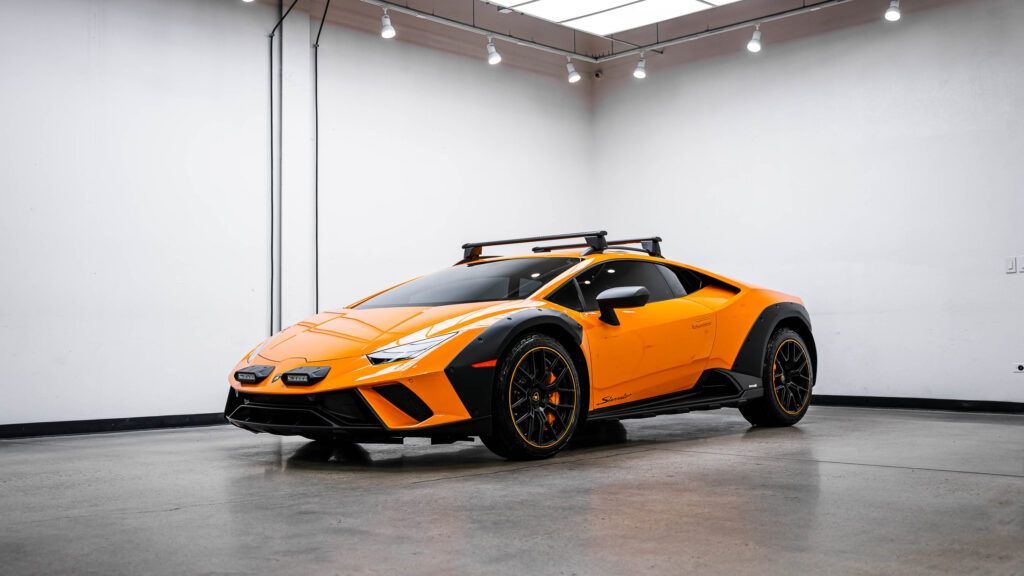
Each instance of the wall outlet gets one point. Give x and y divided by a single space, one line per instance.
1011 265
1020 264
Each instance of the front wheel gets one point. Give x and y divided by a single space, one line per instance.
536 400
788 377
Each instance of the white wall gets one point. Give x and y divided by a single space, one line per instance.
135 164
422 150
133 170
875 171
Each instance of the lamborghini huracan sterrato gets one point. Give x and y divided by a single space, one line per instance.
521 350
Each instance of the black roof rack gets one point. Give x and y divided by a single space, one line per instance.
650 246
595 240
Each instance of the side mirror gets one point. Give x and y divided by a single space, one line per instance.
621 297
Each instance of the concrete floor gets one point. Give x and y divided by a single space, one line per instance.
851 491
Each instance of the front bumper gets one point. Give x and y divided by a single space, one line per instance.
350 414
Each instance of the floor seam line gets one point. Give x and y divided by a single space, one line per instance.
756 456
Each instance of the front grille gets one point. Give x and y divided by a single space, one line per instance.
277 416
343 408
349 408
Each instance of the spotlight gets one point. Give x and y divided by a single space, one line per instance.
574 76
492 53
247 1
893 13
386 29
755 41
640 72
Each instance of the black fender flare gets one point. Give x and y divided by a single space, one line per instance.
474 385
750 359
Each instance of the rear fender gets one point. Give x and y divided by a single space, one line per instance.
750 359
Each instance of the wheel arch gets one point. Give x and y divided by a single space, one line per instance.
575 349
798 325
750 359
474 385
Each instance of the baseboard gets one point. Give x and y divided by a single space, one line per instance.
186 420
919 403
108 425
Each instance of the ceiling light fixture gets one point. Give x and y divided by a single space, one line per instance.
492 53
574 76
893 13
387 31
755 41
640 72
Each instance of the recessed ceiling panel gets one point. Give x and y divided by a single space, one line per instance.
561 10
636 15
605 17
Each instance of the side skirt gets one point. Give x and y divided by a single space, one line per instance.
715 389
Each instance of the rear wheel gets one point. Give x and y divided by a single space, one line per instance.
788 377
536 400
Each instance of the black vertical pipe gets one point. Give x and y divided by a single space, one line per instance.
316 161
270 76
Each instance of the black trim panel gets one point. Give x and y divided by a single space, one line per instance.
475 385
750 358
993 406
715 389
68 427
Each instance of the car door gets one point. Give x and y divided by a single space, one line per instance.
656 349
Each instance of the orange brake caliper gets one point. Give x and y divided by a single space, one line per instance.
553 397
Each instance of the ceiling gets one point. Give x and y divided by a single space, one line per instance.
606 17
509 17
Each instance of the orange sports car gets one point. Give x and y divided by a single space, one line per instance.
522 350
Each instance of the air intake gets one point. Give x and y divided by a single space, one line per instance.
405 400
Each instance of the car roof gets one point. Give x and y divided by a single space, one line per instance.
611 253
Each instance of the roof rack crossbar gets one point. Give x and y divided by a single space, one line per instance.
650 245
595 240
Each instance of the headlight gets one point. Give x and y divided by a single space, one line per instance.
406 351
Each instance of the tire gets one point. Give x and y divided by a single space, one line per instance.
788 379
537 400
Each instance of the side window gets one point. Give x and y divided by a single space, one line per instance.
688 280
568 296
678 290
622 273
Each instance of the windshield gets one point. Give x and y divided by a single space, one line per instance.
484 281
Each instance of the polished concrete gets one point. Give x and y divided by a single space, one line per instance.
850 491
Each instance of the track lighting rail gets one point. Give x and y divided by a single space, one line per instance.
609 57
481 31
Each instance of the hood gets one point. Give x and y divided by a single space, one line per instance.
355 332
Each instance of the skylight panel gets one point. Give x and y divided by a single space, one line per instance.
634 15
560 10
